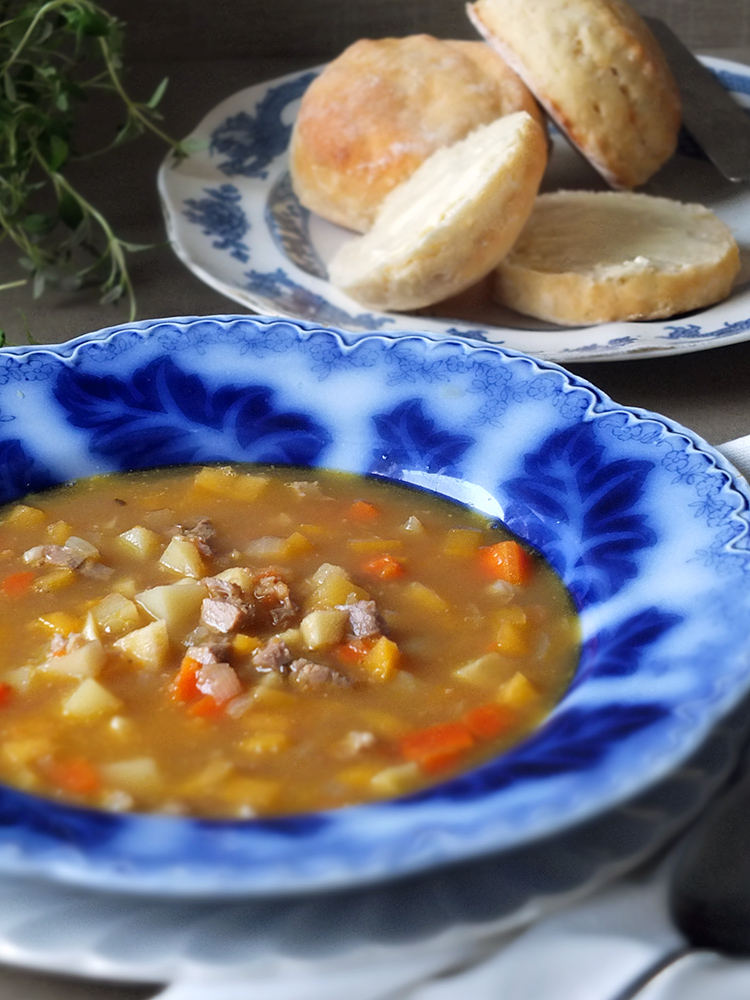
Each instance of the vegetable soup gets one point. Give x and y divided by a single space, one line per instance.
250 641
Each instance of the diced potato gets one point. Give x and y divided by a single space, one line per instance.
323 628
19 679
137 775
59 532
414 525
177 604
332 585
90 628
265 743
140 542
90 698
293 639
381 662
86 661
227 482
243 577
518 692
59 622
396 779
23 516
124 585
485 671
148 646
461 542
425 598
55 579
182 556
116 614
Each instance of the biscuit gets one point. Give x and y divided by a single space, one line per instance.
451 222
598 71
594 257
381 108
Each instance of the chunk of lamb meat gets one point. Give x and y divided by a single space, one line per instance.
224 609
209 652
308 674
272 592
363 618
219 681
274 657
201 535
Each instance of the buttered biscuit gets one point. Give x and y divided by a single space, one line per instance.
594 257
598 71
451 222
382 107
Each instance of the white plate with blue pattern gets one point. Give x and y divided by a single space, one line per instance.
647 525
234 220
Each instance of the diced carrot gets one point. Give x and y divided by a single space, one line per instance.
5 693
16 584
506 561
185 685
76 775
386 567
206 706
361 510
355 650
437 747
487 721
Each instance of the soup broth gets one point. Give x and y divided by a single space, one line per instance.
245 641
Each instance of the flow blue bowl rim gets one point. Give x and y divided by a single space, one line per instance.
176 856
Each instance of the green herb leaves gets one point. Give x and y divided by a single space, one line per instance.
55 56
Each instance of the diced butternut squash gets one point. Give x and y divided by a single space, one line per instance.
461 542
23 516
224 481
148 646
425 598
512 639
182 557
58 532
116 614
518 692
323 628
54 579
91 698
244 645
140 542
60 622
381 662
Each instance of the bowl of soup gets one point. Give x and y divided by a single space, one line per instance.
286 609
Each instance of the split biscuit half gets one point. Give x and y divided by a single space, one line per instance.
451 222
589 257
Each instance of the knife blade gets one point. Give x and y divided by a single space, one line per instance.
717 123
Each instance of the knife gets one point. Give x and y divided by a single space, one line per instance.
716 122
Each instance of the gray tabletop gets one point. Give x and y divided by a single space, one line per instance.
210 51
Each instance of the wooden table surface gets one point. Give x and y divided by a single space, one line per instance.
209 51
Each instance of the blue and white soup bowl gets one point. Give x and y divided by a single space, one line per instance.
646 524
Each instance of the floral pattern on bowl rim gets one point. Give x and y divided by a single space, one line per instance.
234 220
644 521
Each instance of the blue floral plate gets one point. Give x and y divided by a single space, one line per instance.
647 525
234 220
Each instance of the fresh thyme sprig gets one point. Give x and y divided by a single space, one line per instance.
54 56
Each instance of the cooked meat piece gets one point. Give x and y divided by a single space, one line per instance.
223 589
274 656
66 643
55 555
201 534
223 616
272 592
215 652
95 570
363 618
308 674
219 681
